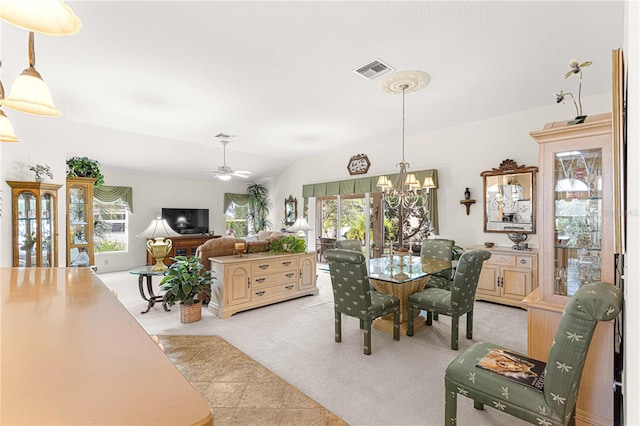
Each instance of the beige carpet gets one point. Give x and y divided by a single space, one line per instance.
238 389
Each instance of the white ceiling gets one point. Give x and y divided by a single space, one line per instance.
278 75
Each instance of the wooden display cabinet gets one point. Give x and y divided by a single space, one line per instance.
80 220
576 235
35 223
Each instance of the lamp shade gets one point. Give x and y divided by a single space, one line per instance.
300 224
6 129
429 183
50 17
158 228
30 94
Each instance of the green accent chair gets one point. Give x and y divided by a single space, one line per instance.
455 302
555 403
349 245
440 249
354 296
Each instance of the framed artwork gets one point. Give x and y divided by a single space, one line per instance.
290 210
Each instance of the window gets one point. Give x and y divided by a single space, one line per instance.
237 221
110 228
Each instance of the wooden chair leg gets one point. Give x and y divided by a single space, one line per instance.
478 405
367 337
429 317
396 325
361 324
470 324
409 322
338 324
435 316
451 404
454 333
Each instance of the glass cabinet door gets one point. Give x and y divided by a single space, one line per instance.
48 231
578 219
78 221
27 229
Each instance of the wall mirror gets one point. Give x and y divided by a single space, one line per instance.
510 198
290 210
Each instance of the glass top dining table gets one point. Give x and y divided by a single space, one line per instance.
406 268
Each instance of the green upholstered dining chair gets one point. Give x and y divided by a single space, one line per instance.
555 403
354 296
455 302
349 245
440 249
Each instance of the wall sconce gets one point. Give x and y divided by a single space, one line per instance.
467 200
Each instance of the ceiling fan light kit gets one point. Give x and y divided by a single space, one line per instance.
225 172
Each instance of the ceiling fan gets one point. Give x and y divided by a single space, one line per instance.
225 172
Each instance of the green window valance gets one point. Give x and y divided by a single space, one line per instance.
239 199
368 184
110 194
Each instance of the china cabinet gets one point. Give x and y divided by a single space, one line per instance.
80 221
576 235
35 223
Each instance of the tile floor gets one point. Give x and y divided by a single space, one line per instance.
239 390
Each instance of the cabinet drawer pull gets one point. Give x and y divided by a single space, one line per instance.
260 280
289 287
248 282
263 266
523 261
290 274
260 293
287 263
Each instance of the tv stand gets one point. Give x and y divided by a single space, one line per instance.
184 245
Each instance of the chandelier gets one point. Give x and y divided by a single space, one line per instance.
406 191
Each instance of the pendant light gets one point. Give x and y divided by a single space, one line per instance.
50 17
29 92
6 129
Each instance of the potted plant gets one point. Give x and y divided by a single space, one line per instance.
288 244
184 280
41 170
259 206
85 167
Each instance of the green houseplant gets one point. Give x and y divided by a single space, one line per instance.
259 206
288 244
85 167
184 280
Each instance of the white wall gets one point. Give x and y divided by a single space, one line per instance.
459 154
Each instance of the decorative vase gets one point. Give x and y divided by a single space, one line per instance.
467 194
39 179
190 313
578 120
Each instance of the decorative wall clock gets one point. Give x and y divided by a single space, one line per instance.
358 164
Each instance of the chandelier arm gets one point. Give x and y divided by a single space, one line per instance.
32 51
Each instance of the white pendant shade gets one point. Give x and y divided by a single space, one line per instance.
50 17
30 94
6 129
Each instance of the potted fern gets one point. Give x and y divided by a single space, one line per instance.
185 279
85 167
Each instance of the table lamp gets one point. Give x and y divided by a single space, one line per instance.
300 226
157 246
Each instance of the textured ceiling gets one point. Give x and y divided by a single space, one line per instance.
278 74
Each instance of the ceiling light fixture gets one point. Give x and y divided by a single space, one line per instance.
29 92
406 190
50 17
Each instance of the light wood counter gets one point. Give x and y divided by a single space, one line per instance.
71 354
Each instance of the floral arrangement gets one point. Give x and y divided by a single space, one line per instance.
41 170
575 67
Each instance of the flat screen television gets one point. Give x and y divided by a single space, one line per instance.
187 221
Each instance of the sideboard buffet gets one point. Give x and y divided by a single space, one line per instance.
508 276
259 279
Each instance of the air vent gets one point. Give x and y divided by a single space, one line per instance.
373 69
223 136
